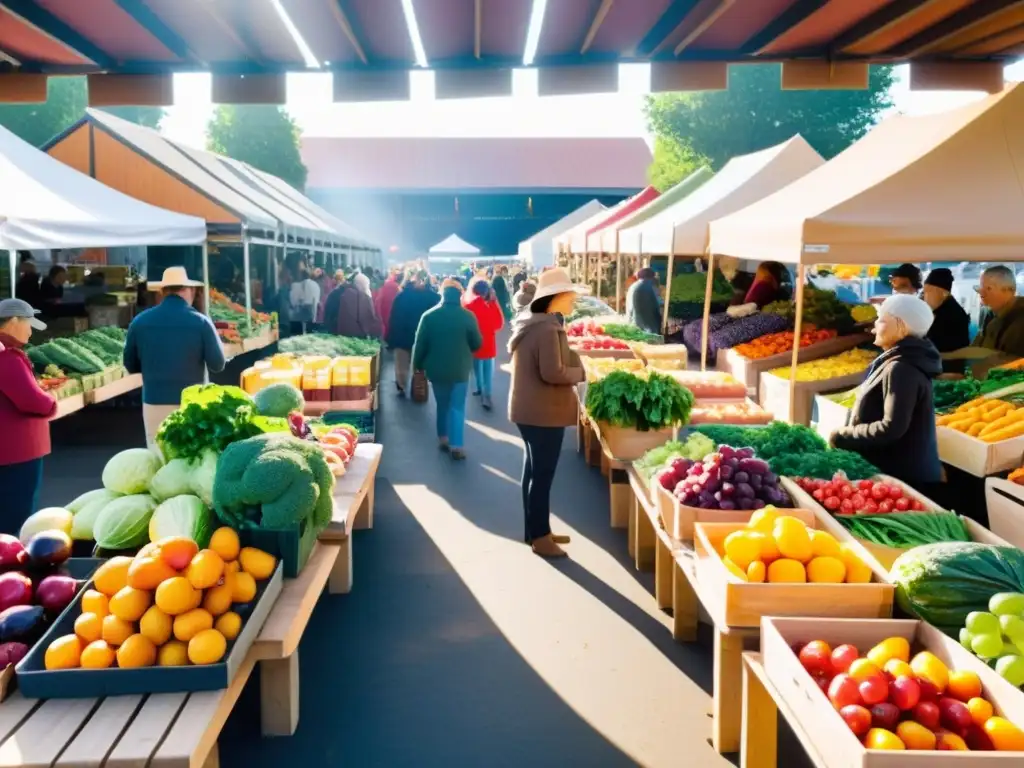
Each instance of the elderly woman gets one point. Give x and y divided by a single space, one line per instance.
25 412
524 296
892 423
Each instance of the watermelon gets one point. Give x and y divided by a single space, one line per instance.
941 583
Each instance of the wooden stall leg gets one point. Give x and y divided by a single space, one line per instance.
645 538
663 564
364 515
279 695
581 428
621 498
606 464
213 757
685 607
759 734
728 692
594 452
340 582
631 530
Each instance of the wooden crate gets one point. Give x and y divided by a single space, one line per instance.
619 354
627 444
749 371
697 420
827 415
1005 503
115 389
815 716
774 395
744 604
679 519
976 457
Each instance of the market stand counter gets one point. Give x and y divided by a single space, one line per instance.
353 510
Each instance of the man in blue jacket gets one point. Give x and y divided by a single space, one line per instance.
173 346
643 306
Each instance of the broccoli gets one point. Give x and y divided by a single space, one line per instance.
278 400
273 481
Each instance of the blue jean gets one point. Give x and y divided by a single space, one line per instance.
450 400
483 372
542 447
20 483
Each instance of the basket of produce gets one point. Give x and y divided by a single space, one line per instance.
830 374
982 436
743 363
860 689
658 355
696 446
744 411
710 385
726 331
596 367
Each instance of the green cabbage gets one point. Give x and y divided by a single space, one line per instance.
203 473
89 497
172 479
131 471
84 520
124 522
182 516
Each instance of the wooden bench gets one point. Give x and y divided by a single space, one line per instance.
353 509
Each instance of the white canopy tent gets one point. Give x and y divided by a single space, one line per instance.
452 248
540 250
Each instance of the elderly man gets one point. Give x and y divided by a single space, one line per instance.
951 327
643 307
1003 330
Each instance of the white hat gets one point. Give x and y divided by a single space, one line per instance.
915 313
552 282
175 277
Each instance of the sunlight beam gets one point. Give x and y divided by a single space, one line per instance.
414 33
307 53
534 30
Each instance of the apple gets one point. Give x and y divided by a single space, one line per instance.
843 656
857 718
816 657
874 690
905 692
843 691
885 715
927 714
929 690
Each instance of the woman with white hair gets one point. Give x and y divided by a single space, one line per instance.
892 423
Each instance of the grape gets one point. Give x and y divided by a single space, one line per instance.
965 638
745 453
755 482
744 491
746 503
728 489
758 504
982 623
726 504
1009 649
987 646
1007 603
726 472
770 478
1012 627
741 477
1011 669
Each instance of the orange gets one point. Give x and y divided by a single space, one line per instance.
963 684
229 625
63 653
89 627
243 587
156 625
98 655
149 572
218 599
915 736
879 738
1005 736
111 577
205 569
207 647
188 625
116 631
94 601
149 550
130 603
172 654
769 550
197 599
260 565
177 551
826 570
136 651
230 567
980 710
756 571
175 596
225 543
786 571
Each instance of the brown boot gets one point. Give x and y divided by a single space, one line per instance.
546 547
560 538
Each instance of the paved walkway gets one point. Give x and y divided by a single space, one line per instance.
458 646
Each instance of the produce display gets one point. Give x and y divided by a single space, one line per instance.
950 393
693 330
780 549
83 354
711 385
689 288
893 700
317 378
743 412
906 530
864 313
989 420
329 345
171 605
844 364
695 447
733 331
822 309
589 306
58 383
643 400
587 328
210 418
588 343
866 497
230 320
777 343
596 367
729 478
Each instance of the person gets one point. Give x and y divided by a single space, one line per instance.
951 327
385 299
524 296
501 294
892 422
27 287
51 288
542 401
25 413
1003 329
446 339
415 298
643 307
304 298
349 310
766 286
362 282
518 279
173 346
489 319
282 300
906 279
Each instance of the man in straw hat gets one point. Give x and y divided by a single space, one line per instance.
173 346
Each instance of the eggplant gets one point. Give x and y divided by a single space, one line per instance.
22 624
48 548
55 593
15 589
12 653
12 552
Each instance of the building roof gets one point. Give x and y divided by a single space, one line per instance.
484 163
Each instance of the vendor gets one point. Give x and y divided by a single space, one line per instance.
951 327
906 279
1003 330
892 423
643 307
51 288
767 285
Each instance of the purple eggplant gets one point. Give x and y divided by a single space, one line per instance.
15 589
56 592
22 624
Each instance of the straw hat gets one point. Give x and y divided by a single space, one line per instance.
555 281
175 277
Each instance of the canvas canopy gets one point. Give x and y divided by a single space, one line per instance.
941 187
592 243
683 228
46 204
575 239
453 247
539 251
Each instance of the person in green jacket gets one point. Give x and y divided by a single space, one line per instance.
446 339
1003 330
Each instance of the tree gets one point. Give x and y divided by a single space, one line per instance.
673 161
66 100
262 135
755 113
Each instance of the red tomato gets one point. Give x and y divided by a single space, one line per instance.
857 718
865 485
880 492
916 505
843 656
816 657
884 507
832 503
845 492
871 507
818 494
858 501
895 493
846 507
874 690
903 504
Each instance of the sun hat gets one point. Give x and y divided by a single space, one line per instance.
914 312
17 308
940 278
555 281
175 277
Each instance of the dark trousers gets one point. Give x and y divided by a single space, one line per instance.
543 446
21 493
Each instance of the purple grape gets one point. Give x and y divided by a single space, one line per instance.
745 453
755 481
758 504
726 504
755 466
733 463
667 480
746 503
771 478
728 490
744 491
681 465
741 477
726 472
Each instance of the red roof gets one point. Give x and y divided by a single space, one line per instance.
485 163
635 203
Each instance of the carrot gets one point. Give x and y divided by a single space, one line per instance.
943 421
975 428
1000 423
960 425
1006 433
971 404
998 412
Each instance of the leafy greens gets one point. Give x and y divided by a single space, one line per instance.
648 402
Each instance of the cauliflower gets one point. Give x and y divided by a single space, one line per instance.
273 481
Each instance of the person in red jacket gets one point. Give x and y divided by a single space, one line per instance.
25 413
385 299
484 306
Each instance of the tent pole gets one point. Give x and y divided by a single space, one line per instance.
12 258
668 281
801 277
206 278
248 285
706 323
618 274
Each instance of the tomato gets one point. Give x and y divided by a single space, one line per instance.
895 493
871 507
858 501
885 507
846 492
903 504
846 507
818 494
865 485
832 503
880 491
916 505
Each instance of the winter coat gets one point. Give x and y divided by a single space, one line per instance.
951 328
25 409
409 306
892 423
501 294
489 320
384 301
446 339
544 372
349 312
643 307
1004 332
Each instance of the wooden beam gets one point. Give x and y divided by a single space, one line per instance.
879 21
993 43
54 28
961 21
673 17
341 17
595 24
228 29
478 24
789 19
5 56
144 16
710 16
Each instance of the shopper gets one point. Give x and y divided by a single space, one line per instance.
27 287
643 307
524 296
51 288
951 328
304 297
542 402
906 279
501 293
173 346
1003 329
415 298
445 342
385 299
489 319
349 310
25 413
892 423
767 285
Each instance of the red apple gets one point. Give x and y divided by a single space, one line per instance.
954 714
929 691
857 717
843 656
843 691
927 714
816 657
874 690
905 692
885 715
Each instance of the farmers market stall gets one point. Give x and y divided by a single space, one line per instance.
571 245
541 250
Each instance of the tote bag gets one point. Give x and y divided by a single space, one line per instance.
420 387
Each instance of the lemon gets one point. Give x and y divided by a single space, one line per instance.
763 519
824 544
743 547
826 570
857 572
786 571
793 539
734 569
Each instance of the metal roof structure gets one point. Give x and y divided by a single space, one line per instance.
474 44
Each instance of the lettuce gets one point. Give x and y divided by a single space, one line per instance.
130 472
203 472
124 522
182 516
85 518
172 479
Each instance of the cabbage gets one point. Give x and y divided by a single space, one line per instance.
124 522
182 516
131 471
49 519
84 520
172 479
89 497
203 473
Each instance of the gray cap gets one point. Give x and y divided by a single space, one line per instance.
17 308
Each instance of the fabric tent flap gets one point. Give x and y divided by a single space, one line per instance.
540 250
575 239
634 204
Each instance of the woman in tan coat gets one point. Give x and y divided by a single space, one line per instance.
542 402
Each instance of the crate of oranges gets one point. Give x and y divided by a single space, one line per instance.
172 618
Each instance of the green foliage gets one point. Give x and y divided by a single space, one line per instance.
627 332
210 418
330 345
643 402
755 113
822 309
673 161
262 135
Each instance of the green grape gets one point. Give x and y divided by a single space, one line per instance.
987 646
1011 669
1012 627
965 638
1007 604
981 623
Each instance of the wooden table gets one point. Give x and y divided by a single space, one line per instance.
122 386
353 510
